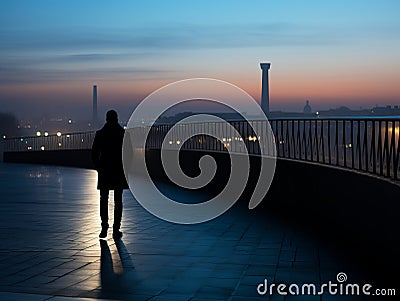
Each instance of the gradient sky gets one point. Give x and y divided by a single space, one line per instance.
331 52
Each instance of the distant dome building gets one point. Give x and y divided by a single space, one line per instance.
307 108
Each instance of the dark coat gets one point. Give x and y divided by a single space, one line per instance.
107 157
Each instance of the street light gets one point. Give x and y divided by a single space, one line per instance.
58 134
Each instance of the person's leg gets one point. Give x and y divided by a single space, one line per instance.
117 213
104 212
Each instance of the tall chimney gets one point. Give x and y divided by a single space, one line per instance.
94 117
265 87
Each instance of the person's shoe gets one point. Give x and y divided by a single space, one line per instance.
117 234
103 233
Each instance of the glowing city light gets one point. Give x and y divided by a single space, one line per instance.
38 133
58 134
396 130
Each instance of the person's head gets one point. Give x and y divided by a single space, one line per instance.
112 116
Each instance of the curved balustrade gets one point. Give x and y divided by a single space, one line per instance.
81 140
365 144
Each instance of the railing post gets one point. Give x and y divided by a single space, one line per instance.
337 142
379 151
305 140
323 140
293 140
397 155
344 143
352 142
392 145
329 142
298 139
287 138
311 141
387 148
366 145
316 139
373 148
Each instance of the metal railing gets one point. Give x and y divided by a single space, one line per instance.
246 141
365 144
81 140
369 145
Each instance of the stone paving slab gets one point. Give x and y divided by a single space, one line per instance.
49 225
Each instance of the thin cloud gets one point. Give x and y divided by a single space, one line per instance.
178 36
22 75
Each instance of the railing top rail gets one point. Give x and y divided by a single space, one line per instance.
334 118
345 118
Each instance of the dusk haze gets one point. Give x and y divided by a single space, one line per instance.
199 150
334 53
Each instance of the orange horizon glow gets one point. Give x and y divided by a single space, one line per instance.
290 89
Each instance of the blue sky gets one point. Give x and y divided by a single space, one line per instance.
331 52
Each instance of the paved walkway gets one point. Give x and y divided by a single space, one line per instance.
50 250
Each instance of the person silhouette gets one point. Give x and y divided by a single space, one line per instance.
107 160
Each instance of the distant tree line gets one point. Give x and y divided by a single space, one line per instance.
8 125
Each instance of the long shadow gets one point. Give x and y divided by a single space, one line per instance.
126 260
115 284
